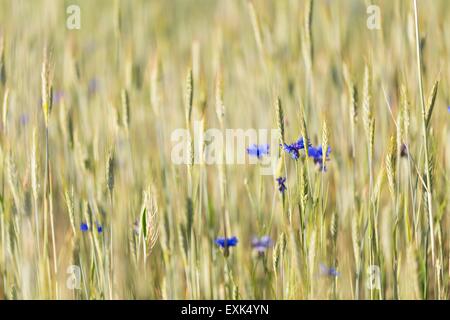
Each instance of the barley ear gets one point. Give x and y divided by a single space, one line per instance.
276 258
279 251
68 195
431 102
220 106
352 92
367 100
110 171
304 130
148 220
371 136
280 119
325 137
405 112
189 97
306 38
334 226
391 165
46 89
304 188
125 109
256 29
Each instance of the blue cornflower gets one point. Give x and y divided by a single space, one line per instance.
228 242
317 152
84 227
281 185
24 119
258 150
294 148
300 144
58 96
317 155
448 108
93 86
261 244
99 227
328 271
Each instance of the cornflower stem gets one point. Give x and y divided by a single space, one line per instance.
288 188
260 195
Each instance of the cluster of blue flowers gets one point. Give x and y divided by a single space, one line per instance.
261 150
84 227
294 148
259 244
315 153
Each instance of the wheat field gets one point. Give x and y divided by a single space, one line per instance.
93 205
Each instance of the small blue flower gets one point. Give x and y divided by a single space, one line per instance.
99 227
93 86
281 185
448 108
24 119
317 152
328 271
300 144
317 155
261 244
58 96
228 242
294 148
84 227
258 150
